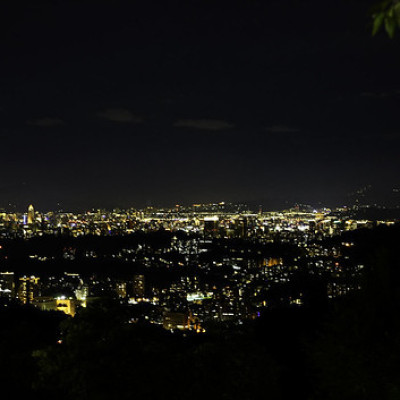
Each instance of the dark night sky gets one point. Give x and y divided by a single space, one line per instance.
124 103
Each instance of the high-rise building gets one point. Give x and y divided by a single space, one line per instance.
28 289
138 286
120 288
31 214
241 227
7 284
211 225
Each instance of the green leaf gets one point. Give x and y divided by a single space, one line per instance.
390 26
378 20
396 9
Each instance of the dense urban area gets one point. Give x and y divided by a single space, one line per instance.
188 284
181 267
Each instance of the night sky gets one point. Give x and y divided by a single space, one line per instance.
125 103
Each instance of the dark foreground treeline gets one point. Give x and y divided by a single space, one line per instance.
345 349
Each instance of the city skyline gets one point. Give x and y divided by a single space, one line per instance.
381 196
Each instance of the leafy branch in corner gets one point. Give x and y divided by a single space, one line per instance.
387 15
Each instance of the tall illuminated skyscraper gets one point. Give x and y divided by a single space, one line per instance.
28 289
31 214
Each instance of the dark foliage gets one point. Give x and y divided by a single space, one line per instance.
102 357
22 330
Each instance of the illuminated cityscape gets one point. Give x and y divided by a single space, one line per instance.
199 200
219 262
191 281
